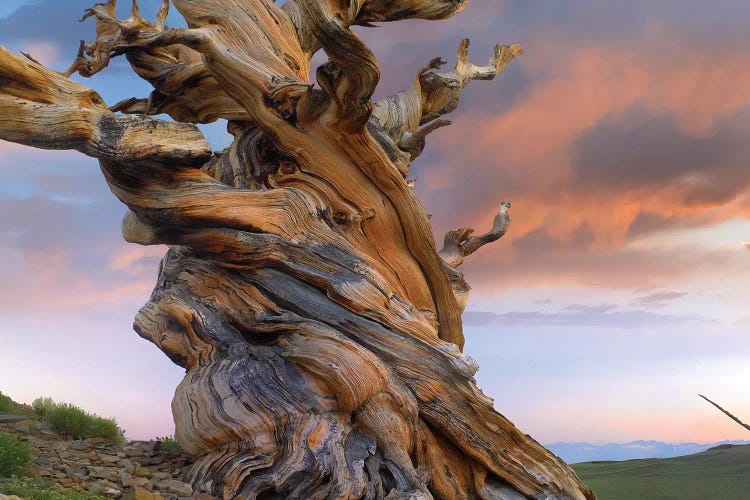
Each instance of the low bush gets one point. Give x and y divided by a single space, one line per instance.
42 406
6 404
15 455
68 420
106 428
168 443
31 489
73 422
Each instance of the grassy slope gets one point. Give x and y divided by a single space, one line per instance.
721 473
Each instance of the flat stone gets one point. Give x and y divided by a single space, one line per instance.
134 481
109 459
79 446
11 419
101 487
126 464
138 493
104 473
142 471
177 487
157 460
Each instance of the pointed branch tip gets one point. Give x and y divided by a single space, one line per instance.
725 412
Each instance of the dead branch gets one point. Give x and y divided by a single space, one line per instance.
725 412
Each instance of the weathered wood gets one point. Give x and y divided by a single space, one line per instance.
319 326
725 412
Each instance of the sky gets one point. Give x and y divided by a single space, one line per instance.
622 138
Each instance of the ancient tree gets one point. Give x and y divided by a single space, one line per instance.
319 326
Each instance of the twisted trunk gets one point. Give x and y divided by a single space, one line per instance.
319 326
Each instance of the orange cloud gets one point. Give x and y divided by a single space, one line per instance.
130 258
524 153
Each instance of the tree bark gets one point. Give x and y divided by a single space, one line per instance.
319 326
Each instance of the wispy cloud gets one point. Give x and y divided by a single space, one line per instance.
606 316
659 299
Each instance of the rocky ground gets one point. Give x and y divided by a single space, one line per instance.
136 469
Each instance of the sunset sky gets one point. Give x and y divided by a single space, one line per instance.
622 137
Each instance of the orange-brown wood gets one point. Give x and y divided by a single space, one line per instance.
319 326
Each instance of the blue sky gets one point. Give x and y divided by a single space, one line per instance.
618 295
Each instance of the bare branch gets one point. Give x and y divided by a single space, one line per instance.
414 143
239 51
42 108
352 73
460 244
435 94
725 412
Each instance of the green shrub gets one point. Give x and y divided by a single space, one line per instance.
168 443
71 421
68 420
31 489
42 406
15 455
106 428
6 404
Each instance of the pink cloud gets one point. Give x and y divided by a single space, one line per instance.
46 53
130 259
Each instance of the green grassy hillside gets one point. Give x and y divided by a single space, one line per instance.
721 473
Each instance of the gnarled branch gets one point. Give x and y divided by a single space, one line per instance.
460 244
433 95
725 412
44 109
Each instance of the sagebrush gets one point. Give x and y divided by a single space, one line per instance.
15 455
73 422
6 404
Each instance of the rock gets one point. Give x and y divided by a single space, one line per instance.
97 467
135 481
134 452
126 464
142 472
103 488
11 419
11 497
104 473
79 446
109 459
73 469
128 480
155 460
137 493
177 487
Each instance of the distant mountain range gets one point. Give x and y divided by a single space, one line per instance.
587 452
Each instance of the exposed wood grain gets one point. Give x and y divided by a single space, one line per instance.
319 326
